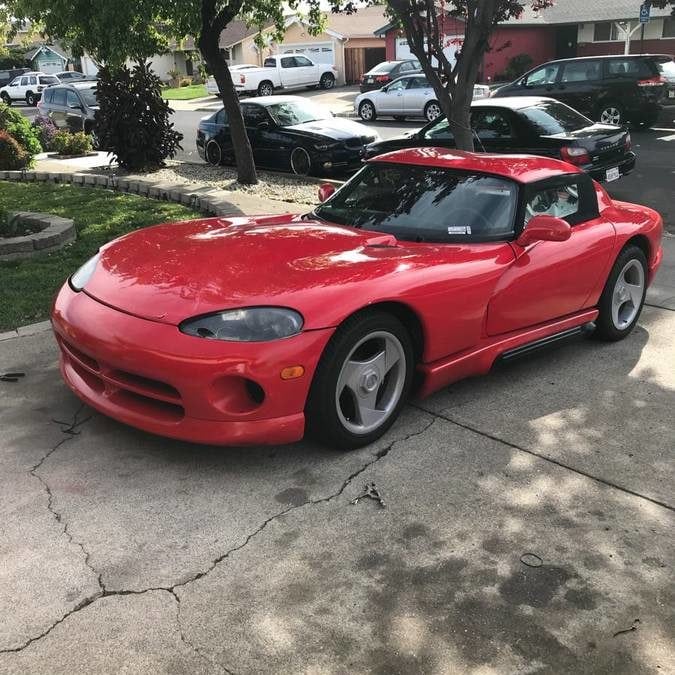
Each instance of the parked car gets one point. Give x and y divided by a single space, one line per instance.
386 72
533 125
610 89
666 66
71 106
284 71
212 85
6 76
407 96
69 76
427 267
27 87
288 132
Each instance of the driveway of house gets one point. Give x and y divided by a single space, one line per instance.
518 522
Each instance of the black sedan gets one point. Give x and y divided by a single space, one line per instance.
288 132
386 72
536 126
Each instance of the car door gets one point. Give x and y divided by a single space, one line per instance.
13 88
493 129
289 72
416 95
74 112
539 82
551 279
389 100
262 134
57 107
306 71
578 84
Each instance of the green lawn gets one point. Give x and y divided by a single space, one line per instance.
185 93
28 286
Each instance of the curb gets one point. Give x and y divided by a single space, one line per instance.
25 331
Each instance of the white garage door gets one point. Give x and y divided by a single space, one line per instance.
403 51
319 52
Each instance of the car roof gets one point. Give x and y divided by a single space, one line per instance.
270 100
513 102
521 168
86 84
623 57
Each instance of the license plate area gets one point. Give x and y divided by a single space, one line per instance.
612 174
671 93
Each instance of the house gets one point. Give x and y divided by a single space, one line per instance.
567 29
47 58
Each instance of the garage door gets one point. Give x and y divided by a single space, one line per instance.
403 50
319 52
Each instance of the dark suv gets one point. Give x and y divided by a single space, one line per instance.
71 106
609 89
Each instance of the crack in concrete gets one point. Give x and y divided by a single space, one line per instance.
104 593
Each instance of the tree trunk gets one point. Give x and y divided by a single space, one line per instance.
210 51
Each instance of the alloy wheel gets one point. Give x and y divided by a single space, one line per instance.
610 115
432 111
627 295
327 81
265 89
371 382
366 111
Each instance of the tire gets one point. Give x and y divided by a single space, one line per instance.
31 98
623 297
400 118
611 113
213 153
265 88
367 111
5 98
432 111
333 410
327 81
301 162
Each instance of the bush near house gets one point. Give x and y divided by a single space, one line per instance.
45 130
12 155
18 126
66 143
516 66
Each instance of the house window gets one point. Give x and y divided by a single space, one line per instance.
669 27
605 32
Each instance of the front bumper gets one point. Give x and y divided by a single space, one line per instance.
151 376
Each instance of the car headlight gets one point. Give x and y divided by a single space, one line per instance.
251 324
79 280
322 147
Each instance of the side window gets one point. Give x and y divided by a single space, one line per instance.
15 82
418 83
47 95
407 67
542 76
629 68
491 125
397 86
581 71
288 62
302 61
221 117
561 201
59 97
33 79
253 115
72 99
24 81
270 63
440 130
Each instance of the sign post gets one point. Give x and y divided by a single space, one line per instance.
645 8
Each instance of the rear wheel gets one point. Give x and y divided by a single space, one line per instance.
623 296
265 88
367 111
327 81
301 162
213 152
5 98
31 98
611 113
362 381
432 111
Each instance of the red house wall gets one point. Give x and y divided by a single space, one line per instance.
649 47
507 42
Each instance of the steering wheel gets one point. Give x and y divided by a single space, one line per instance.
473 213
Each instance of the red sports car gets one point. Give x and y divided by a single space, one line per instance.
426 267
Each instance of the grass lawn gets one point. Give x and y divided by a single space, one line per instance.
185 93
28 286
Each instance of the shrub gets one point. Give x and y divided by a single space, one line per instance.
12 155
133 119
18 126
185 81
516 66
45 130
66 143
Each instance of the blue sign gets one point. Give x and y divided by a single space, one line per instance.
644 12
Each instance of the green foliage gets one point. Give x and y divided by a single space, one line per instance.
45 130
13 57
66 143
12 155
516 66
18 126
133 119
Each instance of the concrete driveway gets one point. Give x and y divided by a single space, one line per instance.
524 524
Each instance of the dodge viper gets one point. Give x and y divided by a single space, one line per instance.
426 267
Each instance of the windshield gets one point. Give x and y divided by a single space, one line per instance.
290 113
551 117
89 96
420 203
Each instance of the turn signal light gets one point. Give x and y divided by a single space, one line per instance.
574 155
292 372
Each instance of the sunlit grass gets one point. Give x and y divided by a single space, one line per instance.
185 93
28 286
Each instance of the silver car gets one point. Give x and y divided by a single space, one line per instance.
408 96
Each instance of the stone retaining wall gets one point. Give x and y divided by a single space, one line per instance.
55 232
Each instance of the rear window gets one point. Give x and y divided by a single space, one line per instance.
88 95
551 117
270 63
630 68
48 79
385 67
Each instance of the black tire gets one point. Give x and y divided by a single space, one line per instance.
31 98
213 153
5 98
265 88
301 162
367 111
611 112
327 81
400 118
323 419
605 326
432 111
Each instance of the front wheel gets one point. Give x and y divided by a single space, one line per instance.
623 297
362 381
301 162
31 98
213 153
265 89
432 111
367 111
327 81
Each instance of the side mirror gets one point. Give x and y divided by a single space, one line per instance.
544 228
325 191
75 106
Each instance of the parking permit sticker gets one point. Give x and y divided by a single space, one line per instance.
462 229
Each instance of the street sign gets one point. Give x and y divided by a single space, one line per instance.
644 12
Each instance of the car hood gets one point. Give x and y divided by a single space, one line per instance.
172 272
336 128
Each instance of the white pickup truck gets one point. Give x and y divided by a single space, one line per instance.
284 71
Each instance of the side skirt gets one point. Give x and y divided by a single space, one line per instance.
480 359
